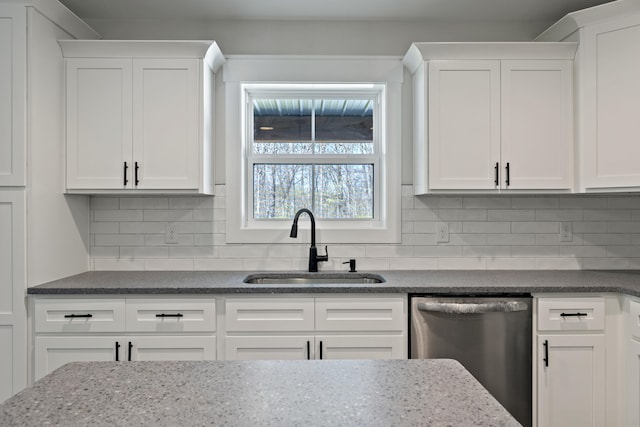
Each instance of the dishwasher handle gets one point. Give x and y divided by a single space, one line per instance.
472 307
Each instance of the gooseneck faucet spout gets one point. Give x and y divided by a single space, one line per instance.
314 258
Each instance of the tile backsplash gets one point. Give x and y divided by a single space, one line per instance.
485 232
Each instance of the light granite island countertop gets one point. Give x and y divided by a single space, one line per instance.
257 393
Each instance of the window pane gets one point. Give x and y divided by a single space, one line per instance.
280 189
344 191
344 126
277 122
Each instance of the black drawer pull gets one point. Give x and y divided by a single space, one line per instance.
170 315
126 167
78 316
508 180
136 180
497 180
320 350
308 350
129 351
546 352
117 351
572 314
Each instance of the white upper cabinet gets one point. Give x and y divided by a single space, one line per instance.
608 101
492 116
139 116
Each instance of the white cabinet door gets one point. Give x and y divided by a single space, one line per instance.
170 348
13 315
571 383
537 125
610 129
166 126
99 123
632 383
464 124
53 352
269 347
360 347
13 96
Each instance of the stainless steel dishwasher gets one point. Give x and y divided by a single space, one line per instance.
490 336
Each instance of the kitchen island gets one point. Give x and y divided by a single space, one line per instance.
257 393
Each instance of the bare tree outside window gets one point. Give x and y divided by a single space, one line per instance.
316 153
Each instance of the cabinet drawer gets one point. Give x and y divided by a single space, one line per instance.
360 314
171 315
80 316
269 314
571 314
634 318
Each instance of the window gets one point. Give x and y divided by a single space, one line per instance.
313 132
316 148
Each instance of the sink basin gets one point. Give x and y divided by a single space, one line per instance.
312 278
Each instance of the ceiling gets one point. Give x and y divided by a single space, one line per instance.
388 10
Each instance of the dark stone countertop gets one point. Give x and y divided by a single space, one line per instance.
249 393
429 281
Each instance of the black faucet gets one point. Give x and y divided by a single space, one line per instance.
314 258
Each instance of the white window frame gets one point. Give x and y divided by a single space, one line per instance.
375 93
244 74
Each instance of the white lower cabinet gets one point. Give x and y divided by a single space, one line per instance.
571 383
569 361
354 327
122 329
631 339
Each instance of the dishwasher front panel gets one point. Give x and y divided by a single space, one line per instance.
490 336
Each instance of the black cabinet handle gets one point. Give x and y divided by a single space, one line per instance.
129 351
546 352
78 316
320 350
508 180
497 180
308 350
126 167
573 314
137 181
117 351
170 315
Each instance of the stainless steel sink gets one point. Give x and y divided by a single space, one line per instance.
312 278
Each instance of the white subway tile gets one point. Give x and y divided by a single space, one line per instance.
375 251
117 215
589 227
291 251
413 264
191 251
220 190
424 227
104 227
207 215
606 239
144 203
470 202
557 264
587 202
486 251
159 240
220 202
407 227
478 263
407 203
104 203
196 227
462 214
172 264
510 239
607 215
217 264
623 227
144 252
623 251
559 215
168 215
583 251
105 264
485 227
605 263
406 191
267 264
525 202
437 251
535 251
467 239
104 251
535 227
418 215
510 263
119 239
623 202
373 264
347 251
511 215
142 227
243 251
419 239
191 202
204 239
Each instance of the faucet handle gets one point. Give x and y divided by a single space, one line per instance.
324 257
